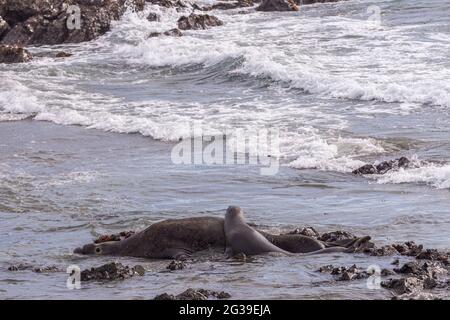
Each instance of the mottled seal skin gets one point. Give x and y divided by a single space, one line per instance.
168 239
241 238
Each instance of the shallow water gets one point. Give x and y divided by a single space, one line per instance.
341 90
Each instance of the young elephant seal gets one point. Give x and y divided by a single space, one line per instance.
241 238
168 239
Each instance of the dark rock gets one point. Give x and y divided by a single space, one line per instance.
433 255
164 296
222 5
344 273
336 236
44 22
303 2
307 231
176 265
277 5
111 271
409 268
63 54
387 250
383 167
14 54
198 21
115 236
4 27
44 269
408 248
387 272
194 294
403 285
170 33
153 17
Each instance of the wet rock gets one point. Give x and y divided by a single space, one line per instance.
336 236
176 265
277 5
409 268
14 54
433 255
63 54
170 33
396 262
388 250
417 296
424 269
227 5
153 17
403 285
45 22
111 271
194 294
344 273
43 269
115 236
408 248
4 27
198 21
307 231
169 3
387 272
303 2
384 166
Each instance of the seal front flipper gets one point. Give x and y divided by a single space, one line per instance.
229 252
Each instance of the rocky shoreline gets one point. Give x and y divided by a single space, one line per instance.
424 274
52 22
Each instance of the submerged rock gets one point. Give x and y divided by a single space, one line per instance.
176 265
63 54
383 167
111 271
198 21
42 269
14 54
194 294
153 17
277 5
227 5
48 22
170 33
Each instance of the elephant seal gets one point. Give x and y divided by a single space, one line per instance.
241 238
178 238
168 239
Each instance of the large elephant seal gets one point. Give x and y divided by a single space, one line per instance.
168 239
241 238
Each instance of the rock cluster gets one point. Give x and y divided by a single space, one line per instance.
45 22
383 167
111 271
14 54
194 294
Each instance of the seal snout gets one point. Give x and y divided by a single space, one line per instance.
87 249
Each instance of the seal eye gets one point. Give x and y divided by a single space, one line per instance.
98 250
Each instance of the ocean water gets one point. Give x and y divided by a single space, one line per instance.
86 142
